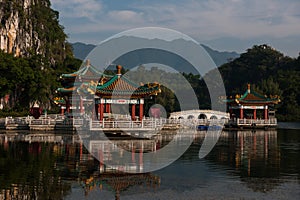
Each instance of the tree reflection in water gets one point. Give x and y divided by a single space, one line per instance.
255 157
47 169
27 171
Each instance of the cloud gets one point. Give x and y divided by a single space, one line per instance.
202 20
89 9
125 16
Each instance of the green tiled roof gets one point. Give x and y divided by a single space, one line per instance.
252 97
122 86
88 71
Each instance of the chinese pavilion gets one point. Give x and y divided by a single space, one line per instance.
73 82
107 90
252 105
120 90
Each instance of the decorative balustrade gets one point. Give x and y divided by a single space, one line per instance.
149 123
53 122
270 121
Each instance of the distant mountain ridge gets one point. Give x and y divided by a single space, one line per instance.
220 58
81 50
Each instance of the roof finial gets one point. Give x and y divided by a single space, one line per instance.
249 86
88 62
119 68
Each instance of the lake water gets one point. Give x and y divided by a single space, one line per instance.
242 165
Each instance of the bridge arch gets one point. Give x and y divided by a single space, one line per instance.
191 117
199 114
202 116
213 117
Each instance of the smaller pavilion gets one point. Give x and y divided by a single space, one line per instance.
252 105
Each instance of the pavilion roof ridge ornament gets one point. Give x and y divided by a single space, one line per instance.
119 70
249 88
87 63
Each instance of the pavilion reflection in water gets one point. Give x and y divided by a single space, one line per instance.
36 169
254 156
118 182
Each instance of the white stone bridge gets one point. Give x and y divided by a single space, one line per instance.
199 114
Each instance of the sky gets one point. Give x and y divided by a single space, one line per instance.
224 25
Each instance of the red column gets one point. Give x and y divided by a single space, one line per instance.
101 111
133 112
241 113
62 111
266 112
81 105
107 108
141 111
68 106
254 114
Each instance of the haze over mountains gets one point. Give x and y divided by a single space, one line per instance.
81 50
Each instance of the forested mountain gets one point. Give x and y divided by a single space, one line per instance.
81 50
32 27
33 53
220 58
271 73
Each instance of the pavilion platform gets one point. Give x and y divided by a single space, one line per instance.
251 123
60 123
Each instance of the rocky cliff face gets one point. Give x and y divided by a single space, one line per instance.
31 27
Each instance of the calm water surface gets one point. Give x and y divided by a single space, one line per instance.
243 165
